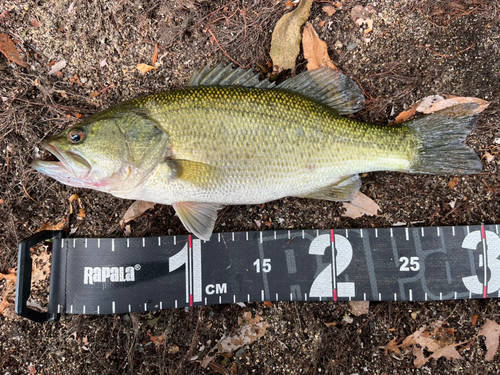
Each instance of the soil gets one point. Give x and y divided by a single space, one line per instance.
417 48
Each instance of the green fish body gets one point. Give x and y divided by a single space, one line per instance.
229 139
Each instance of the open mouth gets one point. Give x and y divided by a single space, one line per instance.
53 162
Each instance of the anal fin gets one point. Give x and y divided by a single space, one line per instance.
198 217
345 190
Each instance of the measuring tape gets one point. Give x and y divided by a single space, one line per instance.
122 275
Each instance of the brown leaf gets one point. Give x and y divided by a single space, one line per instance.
267 303
57 67
94 94
41 266
144 68
406 115
8 48
285 43
218 368
360 15
359 206
155 56
474 319
251 329
491 331
135 210
315 50
7 295
81 213
328 9
433 103
453 182
332 324
157 340
392 346
489 158
358 308
51 226
35 23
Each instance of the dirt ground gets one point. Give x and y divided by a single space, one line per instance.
417 48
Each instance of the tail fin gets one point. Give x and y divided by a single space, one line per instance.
441 135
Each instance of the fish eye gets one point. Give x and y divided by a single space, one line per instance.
76 136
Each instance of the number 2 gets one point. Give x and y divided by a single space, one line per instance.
413 262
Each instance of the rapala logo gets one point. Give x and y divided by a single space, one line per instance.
114 274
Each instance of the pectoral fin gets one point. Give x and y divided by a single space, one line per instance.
198 217
192 171
345 190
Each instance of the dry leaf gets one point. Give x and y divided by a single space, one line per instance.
57 67
359 206
157 340
94 94
436 339
7 295
35 23
453 182
218 368
144 68
329 10
360 16
155 56
285 43
251 329
491 331
315 50
51 226
474 319
267 303
41 266
489 158
433 103
8 48
392 346
173 349
332 324
81 213
358 308
406 115
135 210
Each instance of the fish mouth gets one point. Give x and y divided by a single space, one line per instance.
62 164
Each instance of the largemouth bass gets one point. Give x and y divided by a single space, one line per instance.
229 139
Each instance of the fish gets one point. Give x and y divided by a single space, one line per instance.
228 138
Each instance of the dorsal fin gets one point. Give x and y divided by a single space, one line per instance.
227 76
327 86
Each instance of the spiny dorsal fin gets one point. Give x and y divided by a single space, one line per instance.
327 86
227 76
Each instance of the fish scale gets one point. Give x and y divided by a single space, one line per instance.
226 139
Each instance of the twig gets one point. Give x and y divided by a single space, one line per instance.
222 49
446 56
390 27
215 11
49 105
192 343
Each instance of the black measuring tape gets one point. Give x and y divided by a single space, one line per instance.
121 275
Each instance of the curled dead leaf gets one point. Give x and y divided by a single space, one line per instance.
8 48
135 210
361 16
57 67
359 206
315 49
491 331
144 68
329 10
358 308
285 43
